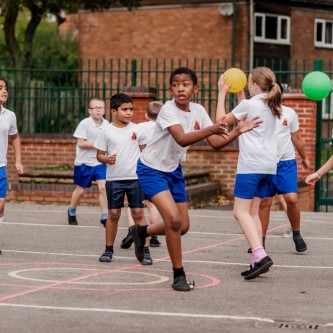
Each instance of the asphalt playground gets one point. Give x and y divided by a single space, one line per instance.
51 279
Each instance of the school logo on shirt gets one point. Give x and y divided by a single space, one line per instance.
133 136
197 125
285 122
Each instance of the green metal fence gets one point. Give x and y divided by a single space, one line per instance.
51 100
324 145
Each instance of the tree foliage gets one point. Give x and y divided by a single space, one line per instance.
38 9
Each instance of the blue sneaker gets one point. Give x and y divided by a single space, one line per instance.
147 259
106 257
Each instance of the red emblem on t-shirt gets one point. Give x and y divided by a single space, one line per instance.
285 122
133 136
196 126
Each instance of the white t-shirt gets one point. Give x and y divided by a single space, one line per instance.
124 142
147 127
257 148
8 126
88 130
287 124
163 152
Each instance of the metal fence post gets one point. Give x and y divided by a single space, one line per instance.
133 72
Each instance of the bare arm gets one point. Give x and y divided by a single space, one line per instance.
220 110
103 158
187 139
16 142
223 89
300 147
83 143
142 147
218 142
314 177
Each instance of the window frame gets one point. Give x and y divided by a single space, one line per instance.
280 18
327 107
322 43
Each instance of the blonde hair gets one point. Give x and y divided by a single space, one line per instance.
97 99
153 108
265 79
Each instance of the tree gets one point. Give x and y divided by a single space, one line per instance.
39 9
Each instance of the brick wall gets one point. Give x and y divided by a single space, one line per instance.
159 33
187 32
221 164
302 35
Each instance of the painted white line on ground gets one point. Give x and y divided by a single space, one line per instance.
17 275
166 260
64 254
148 313
241 264
267 236
58 225
126 228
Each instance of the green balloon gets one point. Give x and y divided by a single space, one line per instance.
316 85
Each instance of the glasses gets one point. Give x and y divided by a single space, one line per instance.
97 108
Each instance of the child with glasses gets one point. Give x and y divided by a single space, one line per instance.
86 166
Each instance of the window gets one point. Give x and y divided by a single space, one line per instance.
323 33
272 28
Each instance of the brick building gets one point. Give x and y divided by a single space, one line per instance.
241 31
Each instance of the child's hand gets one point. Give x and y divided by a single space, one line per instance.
248 125
223 87
312 179
220 129
111 159
19 168
306 163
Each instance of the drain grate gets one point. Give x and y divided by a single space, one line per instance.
300 326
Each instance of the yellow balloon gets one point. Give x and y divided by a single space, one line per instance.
236 78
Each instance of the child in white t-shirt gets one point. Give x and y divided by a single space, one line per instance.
285 181
257 160
153 108
119 147
179 124
86 167
8 129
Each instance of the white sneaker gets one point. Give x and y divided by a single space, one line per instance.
288 234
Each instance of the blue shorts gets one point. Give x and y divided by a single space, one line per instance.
3 182
248 186
154 181
84 174
116 190
285 180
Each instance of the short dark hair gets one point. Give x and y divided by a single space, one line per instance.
118 99
184 70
